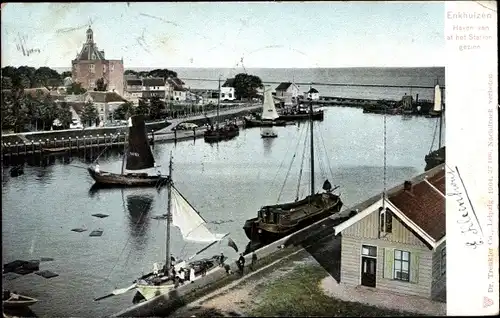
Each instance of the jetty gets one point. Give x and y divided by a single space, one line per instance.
76 140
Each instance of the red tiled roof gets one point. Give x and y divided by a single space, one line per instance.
424 205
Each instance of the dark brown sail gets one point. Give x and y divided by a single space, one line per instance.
139 155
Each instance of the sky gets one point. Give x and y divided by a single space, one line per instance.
227 34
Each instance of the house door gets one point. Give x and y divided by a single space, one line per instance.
368 271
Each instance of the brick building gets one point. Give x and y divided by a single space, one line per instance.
90 65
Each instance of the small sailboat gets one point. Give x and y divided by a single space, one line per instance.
269 115
276 221
181 214
16 301
218 133
138 162
436 157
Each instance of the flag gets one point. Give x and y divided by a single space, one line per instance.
231 243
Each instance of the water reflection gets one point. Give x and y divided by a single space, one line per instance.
139 206
267 142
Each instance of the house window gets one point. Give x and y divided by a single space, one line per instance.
230 95
402 265
104 68
368 250
112 67
385 221
443 261
223 95
92 68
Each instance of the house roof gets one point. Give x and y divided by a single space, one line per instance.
134 82
422 209
106 97
283 86
155 81
175 82
312 90
425 204
228 83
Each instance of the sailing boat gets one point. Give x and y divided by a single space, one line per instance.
436 157
269 115
181 214
137 160
276 221
219 133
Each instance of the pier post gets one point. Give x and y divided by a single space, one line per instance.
105 141
10 149
84 141
54 142
25 149
175 135
98 141
194 133
40 145
69 144
77 144
62 141
17 148
32 147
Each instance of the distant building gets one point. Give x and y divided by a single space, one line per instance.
133 90
206 96
90 65
175 89
105 103
227 90
312 94
288 92
401 248
154 87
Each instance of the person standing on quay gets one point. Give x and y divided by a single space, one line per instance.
254 261
241 263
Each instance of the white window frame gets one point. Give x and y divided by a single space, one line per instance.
385 218
112 67
92 68
399 269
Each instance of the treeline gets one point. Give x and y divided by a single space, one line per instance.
30 77
163 73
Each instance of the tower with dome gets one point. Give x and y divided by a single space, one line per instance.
91 64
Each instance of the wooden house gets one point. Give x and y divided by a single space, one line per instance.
288 92
400 248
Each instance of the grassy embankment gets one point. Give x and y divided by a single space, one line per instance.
299 294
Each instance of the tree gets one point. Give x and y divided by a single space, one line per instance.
156 107
89 114
101 86
143 107
64 114
130 72
6 82
75 88
124 111
46 77
245 85
163 73
65 74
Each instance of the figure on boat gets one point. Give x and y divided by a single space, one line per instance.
138 163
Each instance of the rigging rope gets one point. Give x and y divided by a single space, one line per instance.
106 148
128 239
282 162
289 168
326 154
301 166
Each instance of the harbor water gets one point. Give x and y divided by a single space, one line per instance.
226 182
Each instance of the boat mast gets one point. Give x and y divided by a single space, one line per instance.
311 125
218 103
169 214
441 118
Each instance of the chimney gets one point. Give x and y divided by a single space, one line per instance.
416 99
408 186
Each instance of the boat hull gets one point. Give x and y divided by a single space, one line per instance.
263 123
318 115
113 179
219 135
256 230
435 158
269 136
16 301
